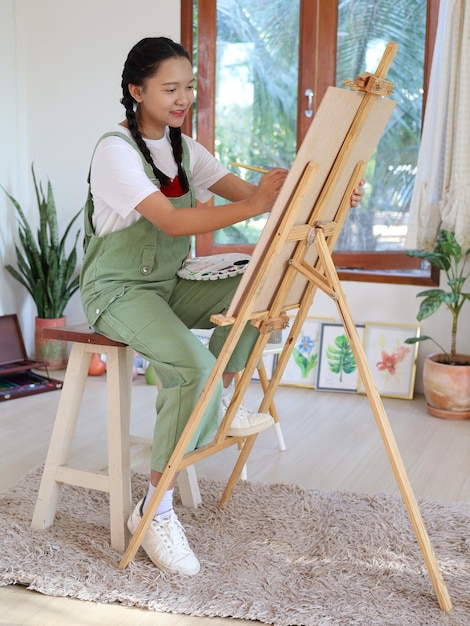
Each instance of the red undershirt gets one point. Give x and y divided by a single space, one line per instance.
172 189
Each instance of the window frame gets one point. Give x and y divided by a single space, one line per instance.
394 267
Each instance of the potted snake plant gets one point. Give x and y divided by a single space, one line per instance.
446 374
46 270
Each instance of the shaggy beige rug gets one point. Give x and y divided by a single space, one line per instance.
276 553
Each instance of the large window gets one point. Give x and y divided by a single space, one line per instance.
262 69
256 93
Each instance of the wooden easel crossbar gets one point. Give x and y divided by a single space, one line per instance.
291 261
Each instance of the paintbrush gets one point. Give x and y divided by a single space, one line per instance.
249 167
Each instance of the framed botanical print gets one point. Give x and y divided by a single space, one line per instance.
392 362
337 368
269 360
301 368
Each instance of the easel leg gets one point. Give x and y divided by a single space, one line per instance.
384 428
237 470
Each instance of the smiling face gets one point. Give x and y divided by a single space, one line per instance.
165 98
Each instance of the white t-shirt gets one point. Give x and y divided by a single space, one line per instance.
119 182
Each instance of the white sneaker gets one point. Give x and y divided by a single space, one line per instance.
165 542
246 422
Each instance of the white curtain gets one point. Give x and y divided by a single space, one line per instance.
441 196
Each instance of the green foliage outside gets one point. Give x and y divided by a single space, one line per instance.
257 55
367 26
255 49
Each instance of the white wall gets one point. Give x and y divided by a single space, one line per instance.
13 148
73 81
60 71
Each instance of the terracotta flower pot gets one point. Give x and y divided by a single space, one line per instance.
54 351
97 366
447 387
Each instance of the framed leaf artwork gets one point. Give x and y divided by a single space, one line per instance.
301 369
337 367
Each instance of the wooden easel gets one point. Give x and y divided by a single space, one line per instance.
291 261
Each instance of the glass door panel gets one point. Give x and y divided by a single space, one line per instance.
257 64
364 29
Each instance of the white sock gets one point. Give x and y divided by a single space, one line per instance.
165 506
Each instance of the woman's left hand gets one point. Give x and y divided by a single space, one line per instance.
357 194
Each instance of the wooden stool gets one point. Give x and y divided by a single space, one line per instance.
116 480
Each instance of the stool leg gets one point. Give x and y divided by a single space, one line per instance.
62 436
272 409
189 487
119 384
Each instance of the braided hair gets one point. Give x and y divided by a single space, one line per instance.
142 62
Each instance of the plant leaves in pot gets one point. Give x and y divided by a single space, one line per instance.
46 270
446 374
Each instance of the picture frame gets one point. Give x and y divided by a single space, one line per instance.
301 368
337 368
269 361
392 362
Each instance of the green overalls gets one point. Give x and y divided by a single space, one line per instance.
130 293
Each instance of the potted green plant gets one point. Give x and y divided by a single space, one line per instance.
46 270
446 374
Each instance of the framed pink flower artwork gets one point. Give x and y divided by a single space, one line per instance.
392 362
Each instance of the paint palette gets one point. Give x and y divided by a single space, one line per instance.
214 267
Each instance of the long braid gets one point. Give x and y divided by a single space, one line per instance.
141 63
177 146
128 103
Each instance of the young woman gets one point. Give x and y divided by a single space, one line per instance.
145 179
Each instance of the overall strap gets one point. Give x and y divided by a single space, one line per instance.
131 142
147 168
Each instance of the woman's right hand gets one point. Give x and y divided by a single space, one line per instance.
268 189
246 200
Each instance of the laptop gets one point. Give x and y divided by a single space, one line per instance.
16 376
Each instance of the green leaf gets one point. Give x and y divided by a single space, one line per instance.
435 258
447 245
450 299
430 305
305 364
430 293
340 357
412 340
